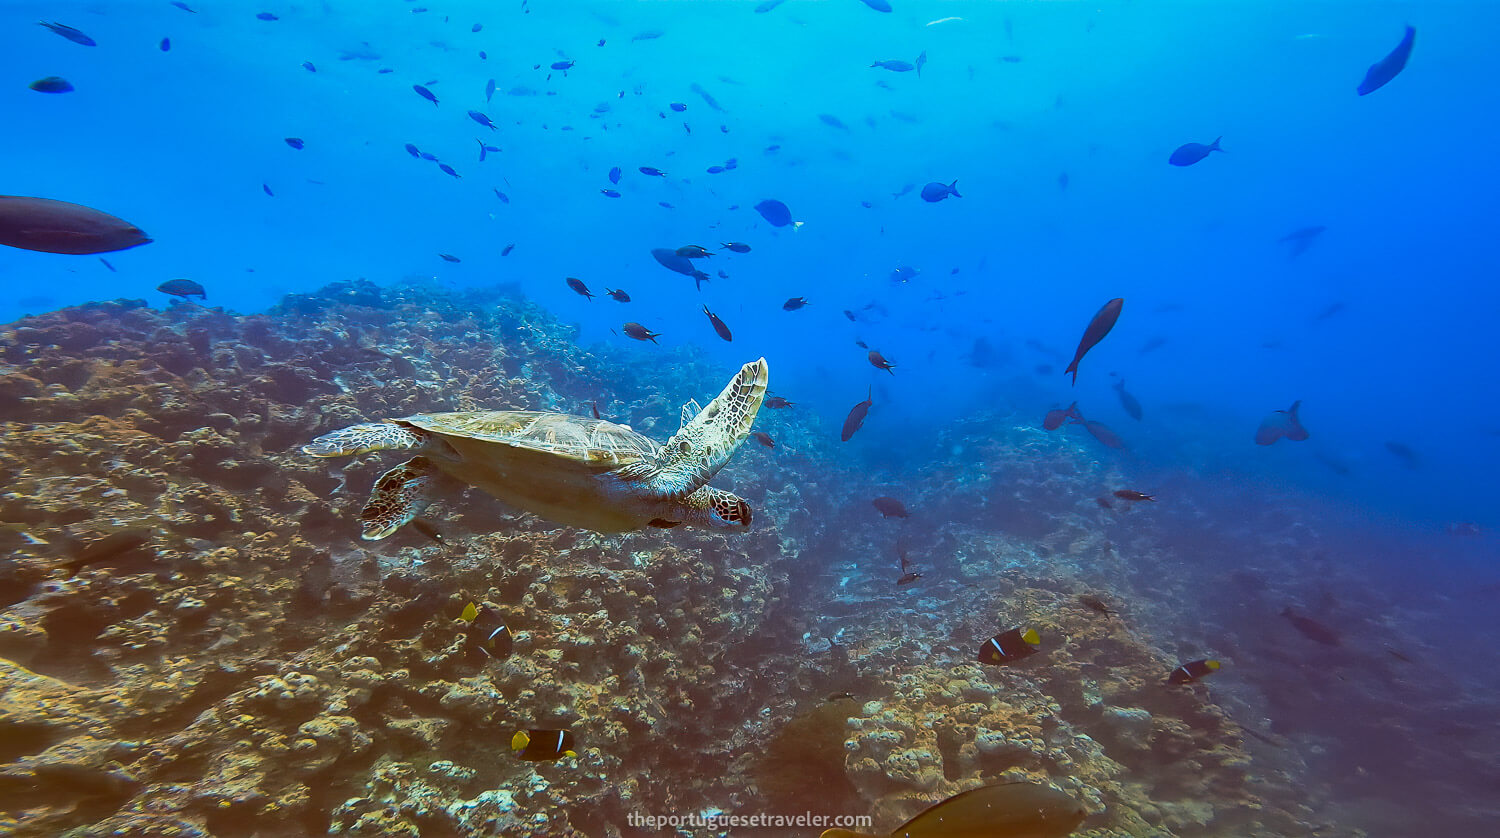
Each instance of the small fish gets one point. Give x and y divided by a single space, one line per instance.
504 198
1152 345
267 189
652 171
763 438
448 170
183 288
618 295
1192 671
877 5
182 6
309 67
1092 602
777 403
543 745
1312 629
735 247
1387 68
505 251
105 262
856 418
448 257
1133 495
486 150
794 303
1010 646
1190 153
1098 327
1282 423
904 190
907 579
1102 432
723 274
1104 503
1404 453
693 251
934 191
889 507
894 66
774 212
832 121
69 32
581 289
718 325
52 84
563 65
1057 416
295 142
413 150
487 632
165 45
921 62
648 35
595 406
609 193
714 170
614 175
879 362
640 332
426 528
1128 401
266 16
425 94
482 120
489 90
761 9
678 107
476 27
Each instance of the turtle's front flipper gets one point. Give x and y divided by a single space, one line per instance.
370 436
398 496
696 452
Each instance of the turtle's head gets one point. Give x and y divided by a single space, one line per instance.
716 509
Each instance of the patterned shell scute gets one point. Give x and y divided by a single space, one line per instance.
592 442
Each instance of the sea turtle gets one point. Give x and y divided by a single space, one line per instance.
581 472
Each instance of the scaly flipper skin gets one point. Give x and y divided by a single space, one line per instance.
371 436
397 498
703 446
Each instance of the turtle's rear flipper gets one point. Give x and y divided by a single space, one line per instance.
398 496
696 452
370 436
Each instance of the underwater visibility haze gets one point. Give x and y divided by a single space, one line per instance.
633 418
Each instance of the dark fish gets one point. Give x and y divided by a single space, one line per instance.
487 632
1007 810
105 262
1387 68
1092 602
839 696
767 6
678 107
907 578
69 32
1133 495
894 66
877 5
1104 503
476 27
861 344
1057 416
1102 433
1128 401
413 150
182 6
648 35
1191 671
266 16
856 418
543 745
714 170
890 507
1404 453
482 120
723 274
578 286
1281 423
693 251
295 142
489 90
109 547
426 528
774 212
1152 345
614 175
50 226
425 94
681 264
1098 327
879 362
1332 309
739 247
1312 629
934 191
448 257
609 193
484 151
51 84
794 303
1010 646
563 65
618 295
652 171
640 332
665 205
763 438
921 62
1190 153
595 406
428 157
1301 239
777 403
309 67
267 189
718 324
504 198
166 45
832 121
505 251
183 288
448 170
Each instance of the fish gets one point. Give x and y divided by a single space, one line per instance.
652 171
844 696
182 6
1404 453
309 67
485 151
640 332
1192 671
934 191
681 264
504 198
1010 646
1189 153
777 403
52 84
1301 239
563 65
426 528
1057 416
1096 604
1098 327
265 187
617 295
1128 401
448 257
595 406
921 62
425 94
1387 68
505 251
413 150
105 262
295 142
1312 629
907 578
774 212
183 288
832 121
431 158
482 120
489 90
794 303
890 507
895 66
109 548
879 362
166 45
903 274
1102 432
476 27
69 32
578 286
1104 503
1282 423
738 247
856 418
267 16
448 170
709 100
877 5
1152 345
614 175
609 193
543 745
1006 810
693 251
49 226
767 6
678 107
1133 495
487 632
763 438
719 327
